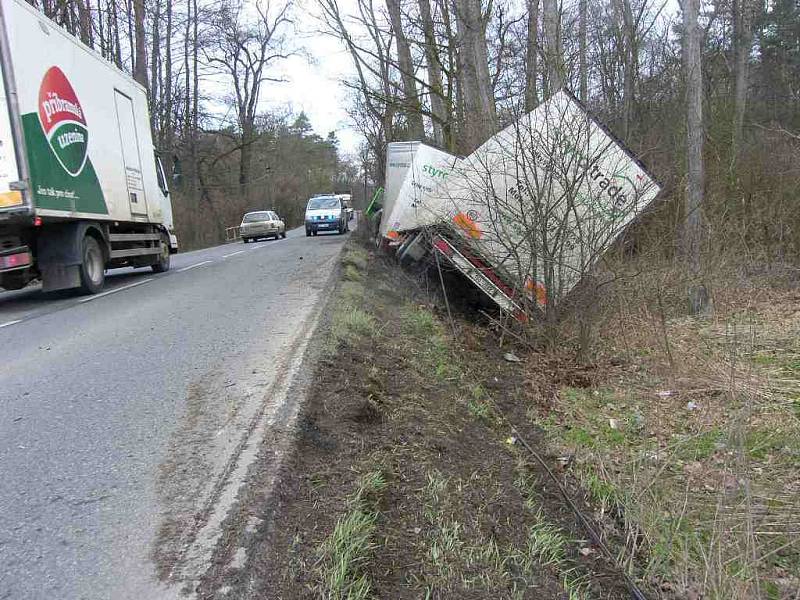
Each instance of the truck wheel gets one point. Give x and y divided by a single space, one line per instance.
245 240
93 266
283 234
162 266
15 280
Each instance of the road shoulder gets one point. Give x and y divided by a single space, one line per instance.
402 481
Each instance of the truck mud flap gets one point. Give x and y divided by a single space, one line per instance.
480 275
59 255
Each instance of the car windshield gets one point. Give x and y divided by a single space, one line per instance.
316 203
256 216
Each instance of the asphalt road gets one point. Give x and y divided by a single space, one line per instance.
127 418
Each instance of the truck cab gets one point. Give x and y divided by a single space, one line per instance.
81 189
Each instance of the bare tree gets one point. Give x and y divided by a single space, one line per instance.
553 50
416 130
532 56
480 117
245 50
155 66
439 116
693 233
629 55
582 66
140 56
743 15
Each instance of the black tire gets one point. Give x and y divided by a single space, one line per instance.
245 240
93 266
162 266
14 280
283 235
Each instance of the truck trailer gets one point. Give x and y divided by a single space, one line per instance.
529 212
81 187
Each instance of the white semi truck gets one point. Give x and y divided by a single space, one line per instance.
81 188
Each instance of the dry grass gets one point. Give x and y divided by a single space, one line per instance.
689 435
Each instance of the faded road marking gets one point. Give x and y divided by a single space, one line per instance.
200 264
115 290
233 254
10 323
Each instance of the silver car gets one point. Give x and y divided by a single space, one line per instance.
261 224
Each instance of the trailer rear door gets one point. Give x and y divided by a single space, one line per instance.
131 154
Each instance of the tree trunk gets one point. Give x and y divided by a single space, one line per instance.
187 76
434 73
140 58
245 160
582 67
117 45
474 81
155 61
167 134
693 235
743 15
481 54
195 83
455 106
101 34
85 21
629 63
532 57
411 104
552 47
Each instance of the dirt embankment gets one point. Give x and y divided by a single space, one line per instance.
406 480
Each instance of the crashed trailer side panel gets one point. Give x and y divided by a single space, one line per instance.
398 163
543 199
421 200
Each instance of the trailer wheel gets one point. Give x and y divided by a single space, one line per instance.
93 266
162 266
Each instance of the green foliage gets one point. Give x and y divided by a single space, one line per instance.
345 553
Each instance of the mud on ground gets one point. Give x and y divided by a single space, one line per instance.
405 481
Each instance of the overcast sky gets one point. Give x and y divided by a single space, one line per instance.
313 82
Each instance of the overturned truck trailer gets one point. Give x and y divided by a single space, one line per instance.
531 211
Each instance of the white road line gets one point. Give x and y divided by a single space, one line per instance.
233 254
200 264
115 290
10 323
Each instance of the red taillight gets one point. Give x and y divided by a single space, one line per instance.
37 221
11 261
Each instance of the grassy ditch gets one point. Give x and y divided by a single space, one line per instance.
404 483
685 435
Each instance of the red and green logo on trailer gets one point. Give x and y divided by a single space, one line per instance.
61 117
57 138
